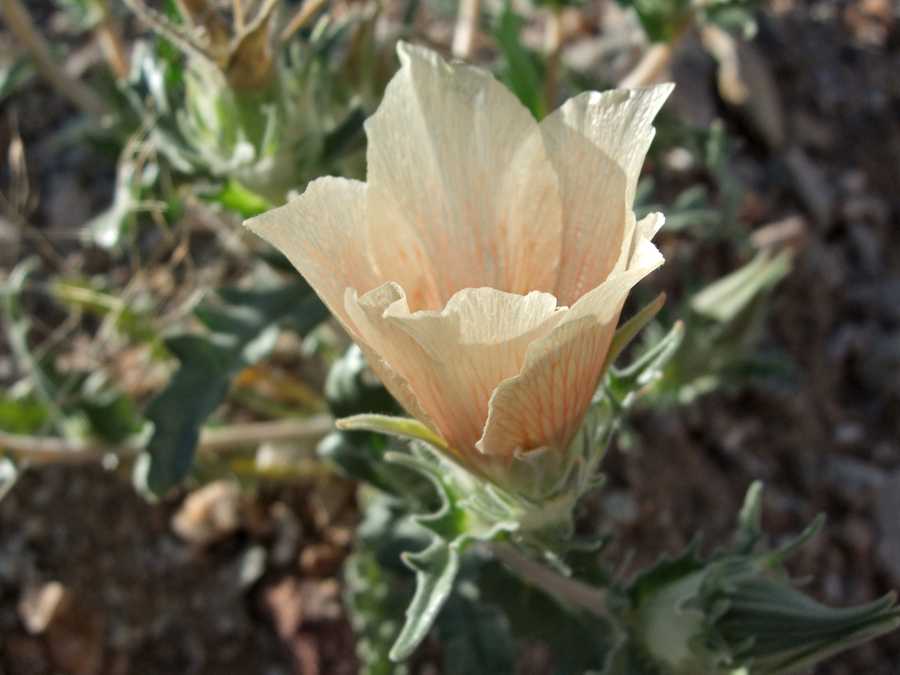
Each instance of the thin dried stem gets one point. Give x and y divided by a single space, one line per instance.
651 64
79 94
466 29
303 15
237 8
37 451
565 588
553 38
175 34
109 35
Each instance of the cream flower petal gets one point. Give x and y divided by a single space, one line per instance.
597 143
460 354
461 192
387 346
323 233
543 405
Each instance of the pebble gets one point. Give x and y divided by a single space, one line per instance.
40 604
209 514
849 433
73 631
321 560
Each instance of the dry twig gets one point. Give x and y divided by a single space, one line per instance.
19 21
36 451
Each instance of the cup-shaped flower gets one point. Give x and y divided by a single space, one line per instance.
483 266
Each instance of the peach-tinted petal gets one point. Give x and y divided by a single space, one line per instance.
597 143
385 345
460 354
543 405
461 192
323 233
480 339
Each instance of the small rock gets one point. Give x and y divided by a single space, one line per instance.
321 600
209 514
73 631
40 604
340 535
849 433
295 603
321 560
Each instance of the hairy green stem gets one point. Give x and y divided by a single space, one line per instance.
565 588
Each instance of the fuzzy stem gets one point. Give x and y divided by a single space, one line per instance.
568 589
19 21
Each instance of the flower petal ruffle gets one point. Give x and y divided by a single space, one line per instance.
454 359
542 406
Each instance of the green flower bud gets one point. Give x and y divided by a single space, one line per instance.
739 613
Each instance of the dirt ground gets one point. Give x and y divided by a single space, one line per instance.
250 582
